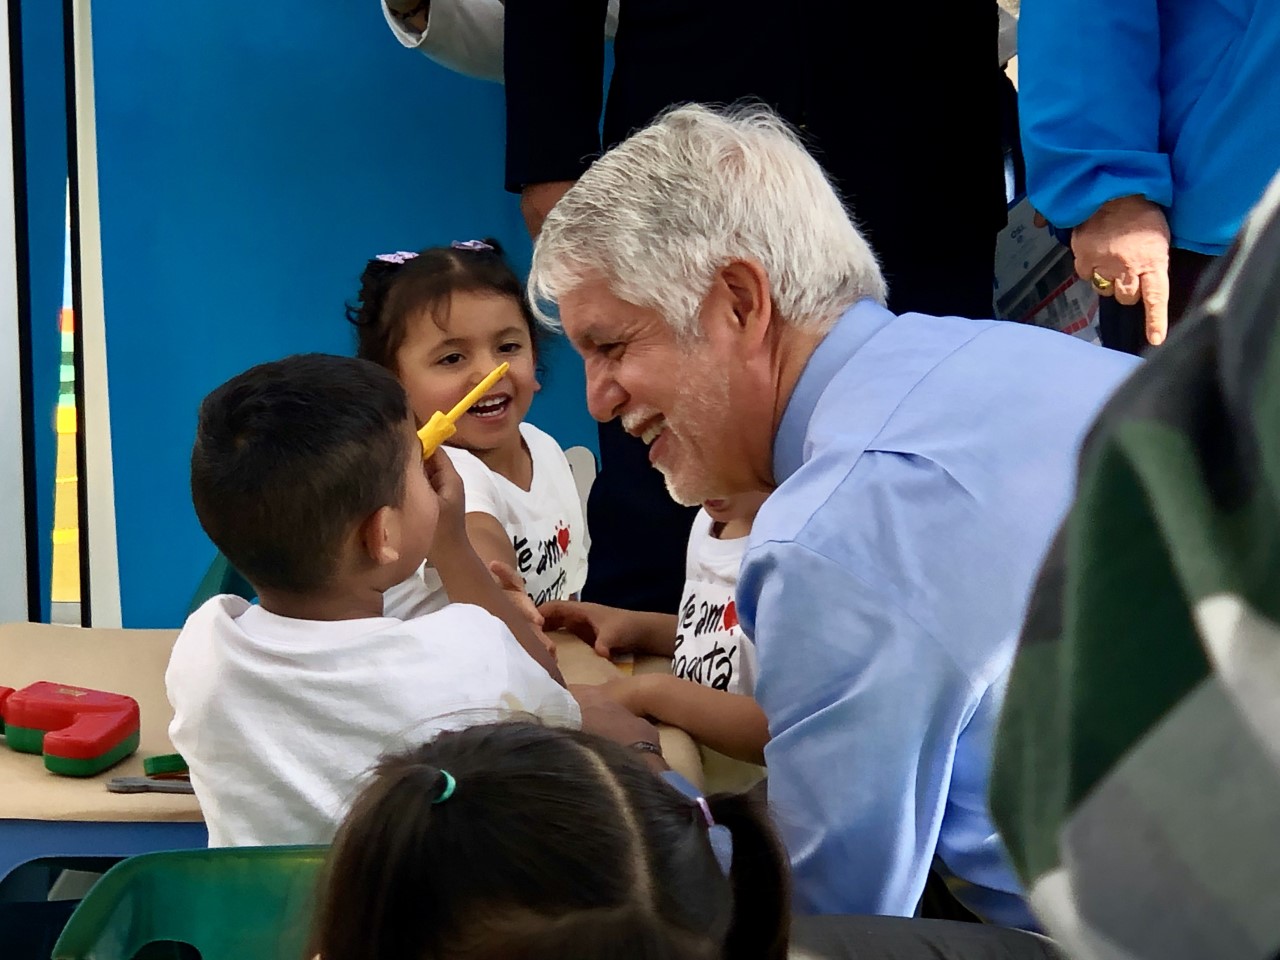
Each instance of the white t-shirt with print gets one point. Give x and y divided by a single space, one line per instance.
544 523
280 719
711 647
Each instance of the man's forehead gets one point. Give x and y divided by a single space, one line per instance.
594 316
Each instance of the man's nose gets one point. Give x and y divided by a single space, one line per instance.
605 396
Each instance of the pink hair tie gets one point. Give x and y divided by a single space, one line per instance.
400 256
706 811
473 245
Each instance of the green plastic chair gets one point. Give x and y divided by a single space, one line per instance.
229 903
30 922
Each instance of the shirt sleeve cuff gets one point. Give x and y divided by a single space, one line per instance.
407 37
1073 199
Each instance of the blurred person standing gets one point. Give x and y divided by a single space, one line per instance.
1150 129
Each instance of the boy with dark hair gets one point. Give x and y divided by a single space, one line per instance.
308 475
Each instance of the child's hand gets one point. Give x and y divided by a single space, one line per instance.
451 527
513 585
629 693
605 717
607 630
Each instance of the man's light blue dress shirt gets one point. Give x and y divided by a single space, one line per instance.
924 465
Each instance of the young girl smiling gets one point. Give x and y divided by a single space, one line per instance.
441 320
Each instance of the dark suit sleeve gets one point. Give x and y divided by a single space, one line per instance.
553 62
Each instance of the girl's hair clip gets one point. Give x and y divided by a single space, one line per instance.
400 256
446 791
706 811
473 245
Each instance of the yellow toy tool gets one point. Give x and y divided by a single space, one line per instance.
441 425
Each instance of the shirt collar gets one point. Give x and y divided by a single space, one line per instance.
855 327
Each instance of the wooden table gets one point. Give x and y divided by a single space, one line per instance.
131 662
42 814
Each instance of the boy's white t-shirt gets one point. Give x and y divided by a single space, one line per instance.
281 719
545 524
711 647
421 594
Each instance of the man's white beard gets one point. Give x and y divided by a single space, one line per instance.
712 395
689 495
674 493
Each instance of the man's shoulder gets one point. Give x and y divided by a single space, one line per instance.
1014 351
1028 354
827 500
803 498
939 392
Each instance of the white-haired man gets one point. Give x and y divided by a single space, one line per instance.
730 313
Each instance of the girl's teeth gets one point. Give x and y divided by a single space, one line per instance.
491 407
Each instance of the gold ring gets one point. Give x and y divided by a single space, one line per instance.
1101 283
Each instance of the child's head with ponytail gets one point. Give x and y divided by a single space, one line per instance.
517 841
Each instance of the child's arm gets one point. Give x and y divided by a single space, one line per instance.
729 723
493 547
489 539
611 631
605 717
466 578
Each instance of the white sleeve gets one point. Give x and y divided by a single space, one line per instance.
475 672
461 35
538 694
528 687
482 494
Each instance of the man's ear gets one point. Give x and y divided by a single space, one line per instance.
750 298
380 536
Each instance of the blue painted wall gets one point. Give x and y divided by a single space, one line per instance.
251 157
45 129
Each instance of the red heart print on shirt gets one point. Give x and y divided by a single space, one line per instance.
562 535
730 615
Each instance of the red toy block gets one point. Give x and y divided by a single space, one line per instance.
81 732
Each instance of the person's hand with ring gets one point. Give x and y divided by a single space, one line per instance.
1123 250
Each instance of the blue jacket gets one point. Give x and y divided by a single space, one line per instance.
1176 100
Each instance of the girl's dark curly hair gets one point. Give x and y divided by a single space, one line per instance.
392 293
